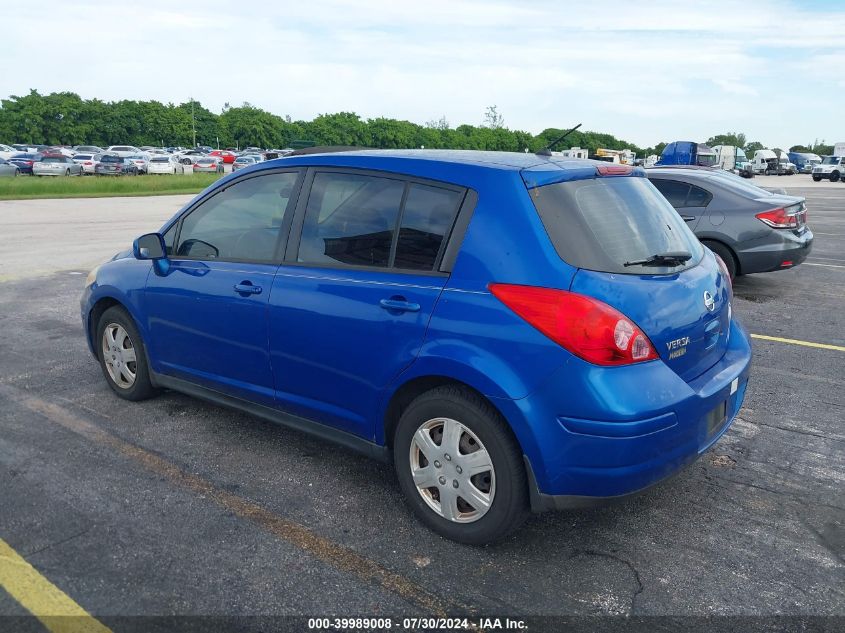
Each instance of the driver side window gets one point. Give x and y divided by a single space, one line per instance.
241 222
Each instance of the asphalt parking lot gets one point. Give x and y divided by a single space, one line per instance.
174 506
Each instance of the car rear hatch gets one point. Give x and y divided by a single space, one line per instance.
608 226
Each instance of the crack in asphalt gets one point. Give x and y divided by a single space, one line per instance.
619 559
57 543
799 431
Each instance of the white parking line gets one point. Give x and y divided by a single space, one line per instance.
825 265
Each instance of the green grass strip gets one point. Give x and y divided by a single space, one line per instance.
30 187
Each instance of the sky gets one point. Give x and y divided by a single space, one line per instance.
644 72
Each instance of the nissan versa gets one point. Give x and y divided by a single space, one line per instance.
514 331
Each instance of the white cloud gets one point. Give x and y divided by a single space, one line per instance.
645 72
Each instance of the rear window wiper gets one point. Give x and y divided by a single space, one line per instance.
662 259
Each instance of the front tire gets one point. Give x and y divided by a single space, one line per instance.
834 176
817 178
460 467
122 355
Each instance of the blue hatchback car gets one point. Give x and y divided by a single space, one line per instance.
514 331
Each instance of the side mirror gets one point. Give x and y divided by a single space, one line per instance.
149 246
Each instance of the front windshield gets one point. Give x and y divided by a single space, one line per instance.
830 160
740 154
706 160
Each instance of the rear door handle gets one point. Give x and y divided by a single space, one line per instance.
399 305
246 287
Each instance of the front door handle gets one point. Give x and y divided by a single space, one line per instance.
246 288
399 304
688 218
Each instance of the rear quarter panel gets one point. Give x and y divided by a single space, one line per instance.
474 338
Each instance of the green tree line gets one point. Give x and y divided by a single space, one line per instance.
64 118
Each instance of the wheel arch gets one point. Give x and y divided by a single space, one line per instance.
408 391
731 250
94 314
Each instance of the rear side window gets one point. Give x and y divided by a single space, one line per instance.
241 222
682 194
427 218
603 223
675 192
698 197
350 219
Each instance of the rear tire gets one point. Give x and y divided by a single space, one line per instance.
483 506
834 176
727 256
122 355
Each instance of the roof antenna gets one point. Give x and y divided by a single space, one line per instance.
547 151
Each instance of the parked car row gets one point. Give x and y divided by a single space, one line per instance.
20 159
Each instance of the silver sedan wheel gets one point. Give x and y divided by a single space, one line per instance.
452 470
119 356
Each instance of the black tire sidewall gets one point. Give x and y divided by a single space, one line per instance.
724 252
510 500
142 387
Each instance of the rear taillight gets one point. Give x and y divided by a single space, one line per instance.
88 162
778 219
588 328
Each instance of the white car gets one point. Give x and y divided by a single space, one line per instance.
7 151
140 161
165 164
87 149
124 151
88 162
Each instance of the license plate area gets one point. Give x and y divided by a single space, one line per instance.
716 418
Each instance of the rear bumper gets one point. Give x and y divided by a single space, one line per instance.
645 424
771 253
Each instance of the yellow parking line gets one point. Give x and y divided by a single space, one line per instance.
56 610
792 341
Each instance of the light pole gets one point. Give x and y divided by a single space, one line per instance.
193 122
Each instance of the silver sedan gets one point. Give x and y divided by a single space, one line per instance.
8 169
56 165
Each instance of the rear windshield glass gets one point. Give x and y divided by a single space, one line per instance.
603 223
111 159
160 159
82 157
739 185
122 148
53 159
